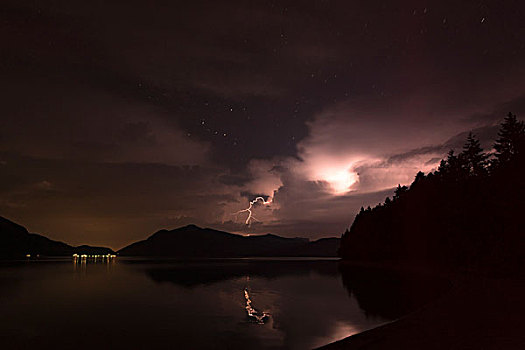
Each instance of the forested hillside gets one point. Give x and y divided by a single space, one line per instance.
470 212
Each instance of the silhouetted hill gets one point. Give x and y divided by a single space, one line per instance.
195 242
91 250
468 213
16 242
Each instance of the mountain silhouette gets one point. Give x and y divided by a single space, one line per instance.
194 242
17 242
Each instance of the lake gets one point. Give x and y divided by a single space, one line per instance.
237 303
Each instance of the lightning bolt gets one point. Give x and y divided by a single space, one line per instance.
250 207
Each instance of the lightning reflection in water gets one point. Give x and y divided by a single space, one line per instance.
253 314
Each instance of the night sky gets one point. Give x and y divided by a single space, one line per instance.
120 118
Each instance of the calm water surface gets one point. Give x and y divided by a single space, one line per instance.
141 304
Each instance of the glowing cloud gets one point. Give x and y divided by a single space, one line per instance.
340 179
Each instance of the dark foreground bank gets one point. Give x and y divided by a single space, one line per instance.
479 312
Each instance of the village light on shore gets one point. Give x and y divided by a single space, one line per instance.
94 256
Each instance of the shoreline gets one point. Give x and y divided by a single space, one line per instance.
478 312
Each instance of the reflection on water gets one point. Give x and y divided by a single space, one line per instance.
118 303
80 261
257 316
390 294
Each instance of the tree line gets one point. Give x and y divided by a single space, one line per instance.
467 213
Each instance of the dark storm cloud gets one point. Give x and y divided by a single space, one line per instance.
81 123
486 134
123 117
400 168
494 116
238 180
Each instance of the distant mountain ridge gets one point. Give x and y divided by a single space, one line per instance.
194 242
185 242
16 242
